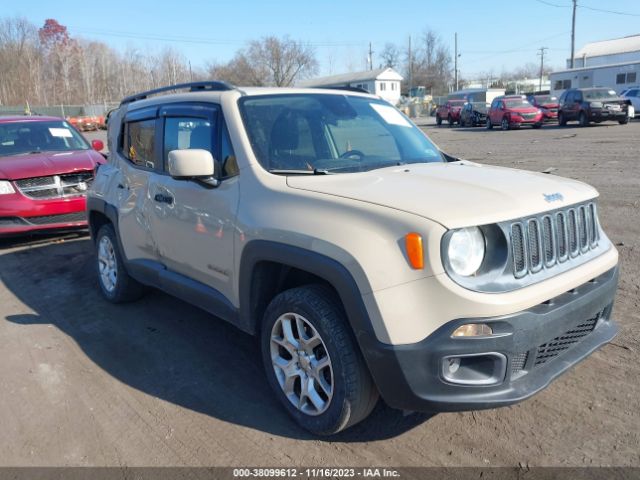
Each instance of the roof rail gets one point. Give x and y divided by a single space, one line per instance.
345 87
191 86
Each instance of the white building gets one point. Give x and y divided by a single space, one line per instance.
608 52
608 63
618 76
384 82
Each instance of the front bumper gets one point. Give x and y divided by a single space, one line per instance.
21 215
607 115
534 347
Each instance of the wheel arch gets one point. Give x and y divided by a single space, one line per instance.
268 268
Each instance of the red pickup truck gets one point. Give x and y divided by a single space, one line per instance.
450 112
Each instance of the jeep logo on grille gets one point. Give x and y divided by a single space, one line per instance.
553 197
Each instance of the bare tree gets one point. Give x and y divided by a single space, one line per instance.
390 55
284 60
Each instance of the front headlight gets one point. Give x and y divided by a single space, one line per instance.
6 187
466 251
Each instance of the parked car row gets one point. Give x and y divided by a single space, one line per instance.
582 105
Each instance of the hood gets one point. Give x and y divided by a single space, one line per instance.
457 194
550 105
48 163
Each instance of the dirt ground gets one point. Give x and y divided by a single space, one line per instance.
159 383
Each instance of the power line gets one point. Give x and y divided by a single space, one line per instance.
586 7
197 40
626 14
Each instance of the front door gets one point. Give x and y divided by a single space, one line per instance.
194 224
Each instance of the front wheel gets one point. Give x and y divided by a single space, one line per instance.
504 124
489 124
583 120
313 363
537 125
624 121
438 120
450 121
562 121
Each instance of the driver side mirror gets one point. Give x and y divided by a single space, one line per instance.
193 164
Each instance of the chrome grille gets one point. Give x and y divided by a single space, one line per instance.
55 186
550 239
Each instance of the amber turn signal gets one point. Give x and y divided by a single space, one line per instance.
413 244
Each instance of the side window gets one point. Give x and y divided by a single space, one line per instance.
138 143
631 77
620 78
228 157
188 132
577 96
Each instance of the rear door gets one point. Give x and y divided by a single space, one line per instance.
194 224
138 146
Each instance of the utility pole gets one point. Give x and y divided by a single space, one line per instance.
410 68
455 61
370 57
541 53
190 72
573 33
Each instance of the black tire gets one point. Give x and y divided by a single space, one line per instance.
450 121
125 288
562 121
583 120
354 393
505 124
488 125
624 121
438 120
537 125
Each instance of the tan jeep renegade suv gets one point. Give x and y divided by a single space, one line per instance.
367 261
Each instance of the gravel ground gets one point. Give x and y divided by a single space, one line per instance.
160 383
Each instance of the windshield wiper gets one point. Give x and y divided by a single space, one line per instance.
315 171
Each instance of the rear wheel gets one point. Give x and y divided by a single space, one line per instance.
450 121
489 124
624 121
562 121
313 363
583 120
537 125
438 120
504 124
116 284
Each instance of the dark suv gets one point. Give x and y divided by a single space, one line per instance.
592 105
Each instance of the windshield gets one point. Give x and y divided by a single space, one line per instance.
599 94
32 136
545 99
517 103
326 133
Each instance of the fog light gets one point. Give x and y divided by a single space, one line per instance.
454 364
473 330
475 368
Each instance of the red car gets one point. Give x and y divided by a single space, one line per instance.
450 112
46 167
513 111
547 104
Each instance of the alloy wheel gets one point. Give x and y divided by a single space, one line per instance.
301 364
107 264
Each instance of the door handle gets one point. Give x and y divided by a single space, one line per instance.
160 198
